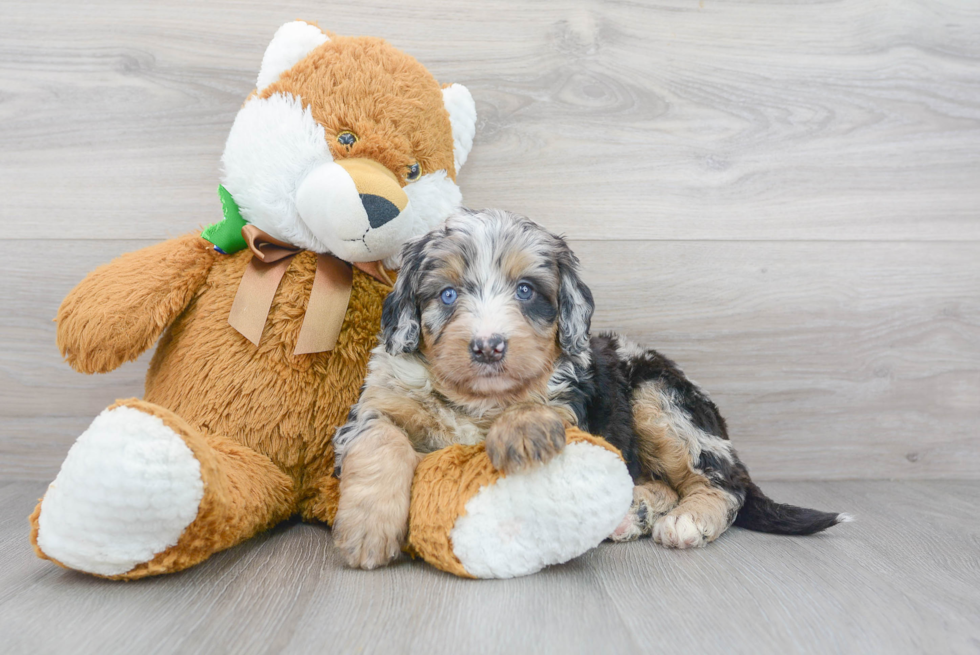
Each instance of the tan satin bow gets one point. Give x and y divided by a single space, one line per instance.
329 296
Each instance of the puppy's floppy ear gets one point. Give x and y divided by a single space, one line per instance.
575 305
401 318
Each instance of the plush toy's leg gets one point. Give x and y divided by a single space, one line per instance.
142 493
326 497
469 519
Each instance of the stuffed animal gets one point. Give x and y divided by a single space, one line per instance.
346 149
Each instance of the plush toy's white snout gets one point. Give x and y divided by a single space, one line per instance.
356 208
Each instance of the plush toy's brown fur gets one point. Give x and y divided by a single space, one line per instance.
263 429
345 77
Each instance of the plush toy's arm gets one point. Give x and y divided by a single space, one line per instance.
121 308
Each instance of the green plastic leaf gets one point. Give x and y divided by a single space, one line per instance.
227 235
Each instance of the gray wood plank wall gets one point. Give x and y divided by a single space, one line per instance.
785 197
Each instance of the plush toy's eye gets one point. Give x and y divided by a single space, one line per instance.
524 291
448 296
347 138
414 172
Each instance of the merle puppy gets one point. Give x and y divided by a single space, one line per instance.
485 337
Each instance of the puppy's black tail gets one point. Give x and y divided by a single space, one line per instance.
763 514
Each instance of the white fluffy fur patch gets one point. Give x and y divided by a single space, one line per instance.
291 43
547 515
462 116
127 490
273 145
329 205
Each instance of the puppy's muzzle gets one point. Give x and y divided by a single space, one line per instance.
489 350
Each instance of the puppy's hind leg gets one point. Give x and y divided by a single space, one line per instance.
375 492
693 461
651 500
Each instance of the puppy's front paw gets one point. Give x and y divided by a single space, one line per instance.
372 523
375 494
367 544
523 437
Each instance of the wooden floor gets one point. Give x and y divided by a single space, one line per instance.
904 578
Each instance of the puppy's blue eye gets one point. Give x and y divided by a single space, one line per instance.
524 291
448 296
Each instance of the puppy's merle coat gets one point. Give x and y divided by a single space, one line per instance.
486 337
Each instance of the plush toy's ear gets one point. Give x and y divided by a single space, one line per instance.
575 306
292 42
401 317
462 116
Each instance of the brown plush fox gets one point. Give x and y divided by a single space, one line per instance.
346 149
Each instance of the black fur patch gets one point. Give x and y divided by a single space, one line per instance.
608 411
539 309
762 514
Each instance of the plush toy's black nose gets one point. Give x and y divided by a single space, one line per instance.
489 350
379 210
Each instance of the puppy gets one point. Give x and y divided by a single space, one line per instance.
485 337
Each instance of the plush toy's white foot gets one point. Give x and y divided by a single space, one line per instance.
546 515
127 490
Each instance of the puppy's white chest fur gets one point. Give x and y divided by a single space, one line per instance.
402 387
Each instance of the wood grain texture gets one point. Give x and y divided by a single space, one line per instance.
781 196
829 360
905 578
846 119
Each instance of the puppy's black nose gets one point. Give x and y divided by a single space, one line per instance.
488 350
